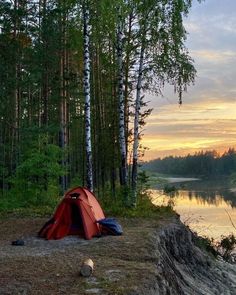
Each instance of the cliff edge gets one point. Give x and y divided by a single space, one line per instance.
154 256
183 268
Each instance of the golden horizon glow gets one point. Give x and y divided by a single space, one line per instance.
175 130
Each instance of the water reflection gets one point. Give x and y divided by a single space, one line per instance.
213 197
204 205
212 192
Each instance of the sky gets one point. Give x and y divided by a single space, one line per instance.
207 118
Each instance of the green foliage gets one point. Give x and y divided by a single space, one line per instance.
41 89
12 205
233 178
204 163
156 179
76 181
143 180
144 207
224 247
170 190
206 243
36 178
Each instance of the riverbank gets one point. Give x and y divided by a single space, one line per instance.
154 256
179 179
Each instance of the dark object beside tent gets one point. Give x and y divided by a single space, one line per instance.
77 214
18 243
110 226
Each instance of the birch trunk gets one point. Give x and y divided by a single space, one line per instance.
122 139
87 110
136 126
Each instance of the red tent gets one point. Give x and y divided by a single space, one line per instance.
76 215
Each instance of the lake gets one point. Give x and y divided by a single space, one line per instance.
207 207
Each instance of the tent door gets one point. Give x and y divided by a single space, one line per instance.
77 227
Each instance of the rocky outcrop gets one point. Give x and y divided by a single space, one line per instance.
183 268
154 256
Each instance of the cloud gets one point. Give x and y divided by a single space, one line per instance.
212 25
198 126
202 109
215 56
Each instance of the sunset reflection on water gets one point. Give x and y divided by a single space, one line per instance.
201 212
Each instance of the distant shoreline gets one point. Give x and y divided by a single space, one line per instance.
233 189
181 179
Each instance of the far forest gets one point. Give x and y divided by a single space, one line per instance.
204 163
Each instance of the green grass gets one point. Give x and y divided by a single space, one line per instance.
205 243
11 205
144 208
156 179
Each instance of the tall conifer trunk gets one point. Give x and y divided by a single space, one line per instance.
87 109
17 90
45 75
126 78
122 139
136 126
63 134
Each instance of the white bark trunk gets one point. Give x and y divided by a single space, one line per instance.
136 126
87 110
122 142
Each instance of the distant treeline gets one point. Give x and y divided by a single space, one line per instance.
204 163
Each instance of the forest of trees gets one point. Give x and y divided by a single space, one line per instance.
204 163
73 75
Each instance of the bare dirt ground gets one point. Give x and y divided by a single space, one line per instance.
153 257
123 264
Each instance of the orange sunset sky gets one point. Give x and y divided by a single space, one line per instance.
207 118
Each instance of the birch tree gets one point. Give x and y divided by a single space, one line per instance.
136 125
122 138
162 37
87 108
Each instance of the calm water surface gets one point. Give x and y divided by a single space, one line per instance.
206 206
